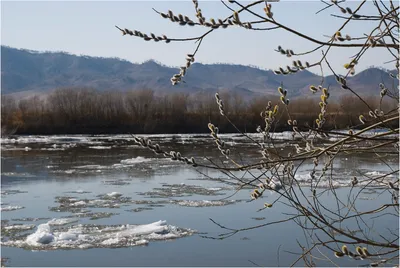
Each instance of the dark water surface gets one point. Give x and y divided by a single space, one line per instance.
103 201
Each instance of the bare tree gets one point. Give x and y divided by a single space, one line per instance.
344 227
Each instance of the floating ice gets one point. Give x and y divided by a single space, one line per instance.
10 208
140 209
97 236
100 147
275 184
30 219
114 194
8 192
378 174
92 167
306 180
94 215
136 160
344 180
19 227
203 203
78 192
78 204
61 221
72 204
116 182
181 190
52 149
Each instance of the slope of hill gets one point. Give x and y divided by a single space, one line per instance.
24 71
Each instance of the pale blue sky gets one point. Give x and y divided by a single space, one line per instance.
87 27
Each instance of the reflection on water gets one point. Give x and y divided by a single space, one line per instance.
112 203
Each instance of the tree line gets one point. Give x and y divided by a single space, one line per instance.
88 111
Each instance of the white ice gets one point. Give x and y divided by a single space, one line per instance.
100 147
114 194
82 237
19 227
62 221
136 160
10 208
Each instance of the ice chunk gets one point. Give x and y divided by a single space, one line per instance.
100 147
136 160
41 236
62 221
97 236
114 194
10 208
78 204
19 227
275 185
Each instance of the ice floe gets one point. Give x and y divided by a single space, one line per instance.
100 147
10 208
19 227
136 160
72 204
344 180
82 236
116 182
61 221
181 190
203 203
11 192
79 192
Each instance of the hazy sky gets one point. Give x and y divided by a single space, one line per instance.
87 27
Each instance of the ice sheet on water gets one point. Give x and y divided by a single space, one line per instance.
73 204
30 219
18 227
94 215
61 221
91 167
378 174
181 190
135 160
344 180
56 139
78 192
97 236
114 194
203 203
52 149
100 147
140 209
10 208
116 182
8 148
306 180
12 192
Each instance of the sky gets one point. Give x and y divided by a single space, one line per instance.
88 28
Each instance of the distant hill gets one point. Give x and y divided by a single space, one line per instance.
40 72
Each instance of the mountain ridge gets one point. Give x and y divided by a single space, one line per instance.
31 71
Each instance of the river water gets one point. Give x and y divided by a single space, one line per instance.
104 201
